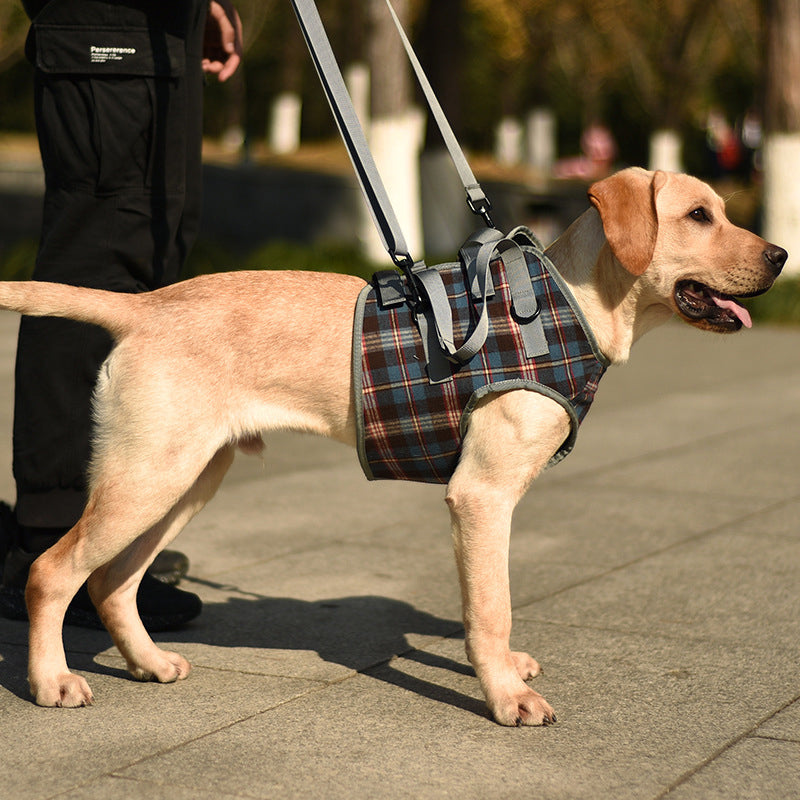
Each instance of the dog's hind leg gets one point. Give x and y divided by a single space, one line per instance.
52 583
127 519
113 586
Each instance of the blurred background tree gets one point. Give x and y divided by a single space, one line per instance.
676 83
639 66
13 29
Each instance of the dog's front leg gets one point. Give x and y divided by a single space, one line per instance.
510 439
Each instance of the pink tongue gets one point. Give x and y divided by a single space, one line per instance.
738 310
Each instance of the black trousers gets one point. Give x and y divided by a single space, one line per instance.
118 103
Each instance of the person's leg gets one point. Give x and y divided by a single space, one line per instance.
117 216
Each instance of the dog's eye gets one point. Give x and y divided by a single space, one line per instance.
700 215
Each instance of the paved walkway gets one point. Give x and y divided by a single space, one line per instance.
656 576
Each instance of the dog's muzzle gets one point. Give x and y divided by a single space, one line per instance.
697 302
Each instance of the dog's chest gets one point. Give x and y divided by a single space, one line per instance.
412 429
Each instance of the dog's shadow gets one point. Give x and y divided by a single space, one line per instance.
361 633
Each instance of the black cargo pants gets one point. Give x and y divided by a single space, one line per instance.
118 103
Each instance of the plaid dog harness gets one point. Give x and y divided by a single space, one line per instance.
410 428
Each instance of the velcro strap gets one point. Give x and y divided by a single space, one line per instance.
389 288
523 298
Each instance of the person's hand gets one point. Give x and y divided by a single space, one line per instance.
222 45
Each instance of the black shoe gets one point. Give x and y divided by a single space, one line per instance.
169 567
162 607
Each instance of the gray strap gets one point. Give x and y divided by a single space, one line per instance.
355 141
476 199
525 308
352 133
468 254
439 368
524 305
523 299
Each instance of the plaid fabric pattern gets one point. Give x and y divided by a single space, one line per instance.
410 429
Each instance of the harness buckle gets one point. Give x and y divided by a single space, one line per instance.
479 204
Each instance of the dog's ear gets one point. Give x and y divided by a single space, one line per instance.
627 205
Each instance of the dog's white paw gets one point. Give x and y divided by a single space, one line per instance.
524 707
162 666
65 691
526 666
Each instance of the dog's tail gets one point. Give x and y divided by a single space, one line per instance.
113 311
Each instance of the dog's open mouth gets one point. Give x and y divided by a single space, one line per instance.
698 302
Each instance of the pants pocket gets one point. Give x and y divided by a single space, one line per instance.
113 98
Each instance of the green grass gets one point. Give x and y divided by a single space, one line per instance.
780 305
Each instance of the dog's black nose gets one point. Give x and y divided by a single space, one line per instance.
776 257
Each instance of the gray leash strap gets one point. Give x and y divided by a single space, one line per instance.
468 255
436 325
435 321
429 280
490 243
352 133
476 199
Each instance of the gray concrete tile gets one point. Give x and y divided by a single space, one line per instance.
344 570
784 725
632 718
103 788
754 769
676 359
577 522
49 751
262 518
680 391
729 586
678 699
717 465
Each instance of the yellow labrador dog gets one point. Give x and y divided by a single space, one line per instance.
207 365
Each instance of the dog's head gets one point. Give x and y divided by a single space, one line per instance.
673 229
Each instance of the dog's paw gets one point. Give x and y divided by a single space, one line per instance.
66 691
526 666
524 707
162 667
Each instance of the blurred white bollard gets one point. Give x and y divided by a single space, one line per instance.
666 151
284 131
541 136
782 195
508 149
395 143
